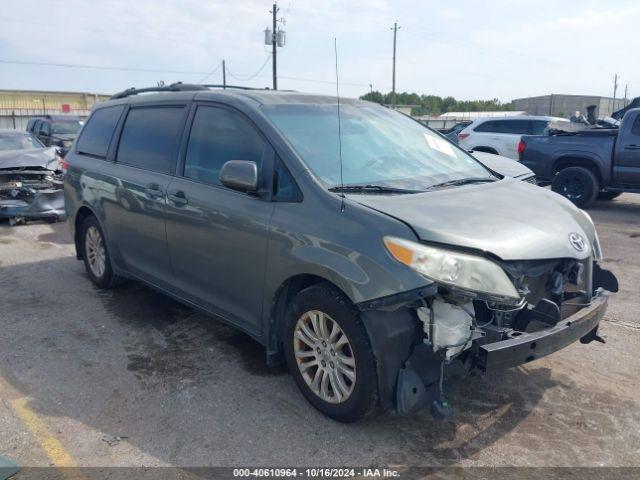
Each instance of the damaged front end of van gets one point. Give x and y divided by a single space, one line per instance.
491 303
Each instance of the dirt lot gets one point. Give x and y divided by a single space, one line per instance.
81 367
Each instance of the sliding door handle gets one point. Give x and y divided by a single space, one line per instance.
178 198
154 191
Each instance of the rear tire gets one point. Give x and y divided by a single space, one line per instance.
608 195
97 261
314 349
577 184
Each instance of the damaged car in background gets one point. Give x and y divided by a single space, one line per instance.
31 179
371 254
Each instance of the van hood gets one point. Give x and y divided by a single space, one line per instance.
64 136
33 157
508 218
503 165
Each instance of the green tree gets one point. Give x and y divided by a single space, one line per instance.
435 105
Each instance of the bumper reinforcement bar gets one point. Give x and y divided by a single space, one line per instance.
530 346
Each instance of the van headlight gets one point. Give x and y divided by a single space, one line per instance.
455 269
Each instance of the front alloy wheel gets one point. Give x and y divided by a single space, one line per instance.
329 353
324 356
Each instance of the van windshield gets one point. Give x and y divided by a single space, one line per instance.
19 142
379 146
65 127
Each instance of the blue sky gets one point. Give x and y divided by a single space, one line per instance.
467 49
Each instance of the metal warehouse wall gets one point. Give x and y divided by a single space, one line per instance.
18 106
566 105
29 100
18 119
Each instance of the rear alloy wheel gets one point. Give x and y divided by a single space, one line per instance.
95 251
96 256
577 184
329 354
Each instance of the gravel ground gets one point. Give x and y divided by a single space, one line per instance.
185 390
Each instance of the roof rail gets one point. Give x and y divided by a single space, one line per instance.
236 87
174 87
182 87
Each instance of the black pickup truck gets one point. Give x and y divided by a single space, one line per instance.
589 164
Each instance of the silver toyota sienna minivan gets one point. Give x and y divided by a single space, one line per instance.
371 254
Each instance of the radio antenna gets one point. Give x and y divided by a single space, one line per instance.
335 49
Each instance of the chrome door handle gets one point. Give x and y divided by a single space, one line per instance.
154 191
178 198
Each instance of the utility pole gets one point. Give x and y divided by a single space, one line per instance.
274 47
224 75
276 38
393 79
615 90
626 89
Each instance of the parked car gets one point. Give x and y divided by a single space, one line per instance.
506 167
56 130
376 263
501 136
588 164
452 132
30 178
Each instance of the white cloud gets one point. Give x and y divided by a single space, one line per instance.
468 50
449 13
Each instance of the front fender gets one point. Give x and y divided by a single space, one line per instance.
579 156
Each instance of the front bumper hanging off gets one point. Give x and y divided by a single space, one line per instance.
408 370
45 204
524 347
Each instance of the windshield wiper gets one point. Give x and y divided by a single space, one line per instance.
464 181
370 188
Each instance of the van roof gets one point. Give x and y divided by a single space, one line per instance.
520 118
260 96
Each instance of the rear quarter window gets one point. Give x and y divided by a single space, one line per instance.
513 127
538 127
98 132
635 129
488 127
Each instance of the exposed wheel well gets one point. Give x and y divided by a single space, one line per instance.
83 212
486 150
566 162
282 298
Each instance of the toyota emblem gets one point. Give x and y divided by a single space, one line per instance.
577 242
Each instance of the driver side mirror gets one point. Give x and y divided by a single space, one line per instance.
241 175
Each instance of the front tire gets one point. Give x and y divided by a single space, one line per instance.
577 184
329 354
97 261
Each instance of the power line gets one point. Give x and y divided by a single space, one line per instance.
331 82
181 72
100 67
246 78
202 80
